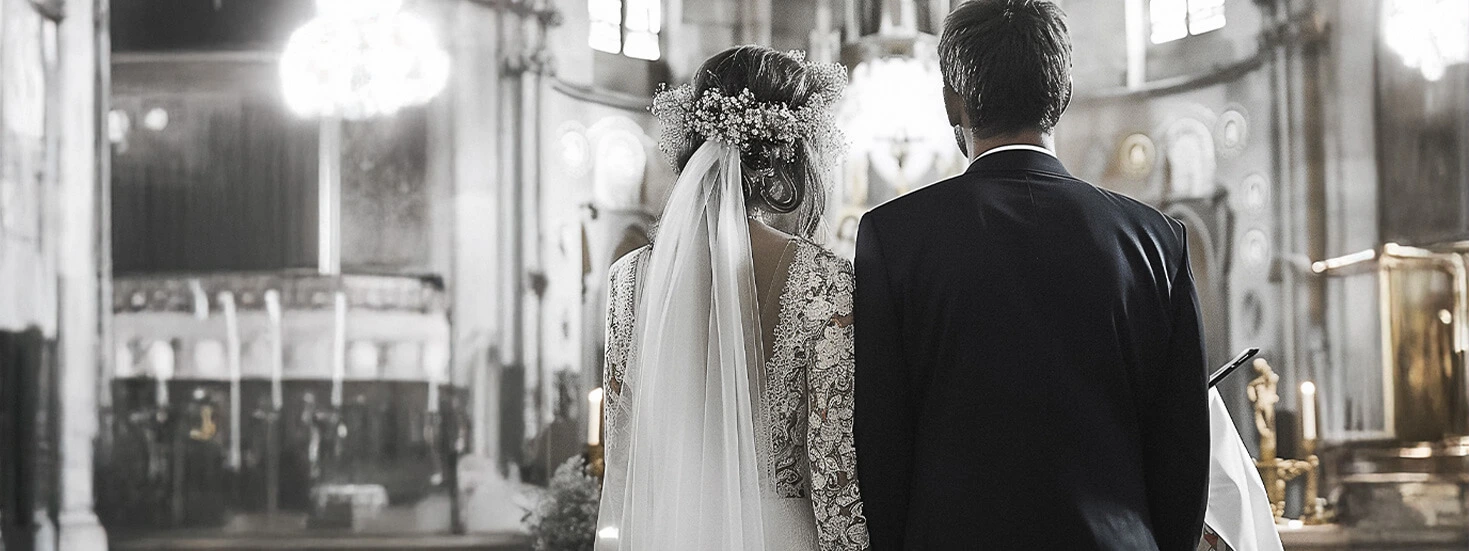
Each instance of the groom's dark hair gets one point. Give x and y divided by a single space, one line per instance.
1010 63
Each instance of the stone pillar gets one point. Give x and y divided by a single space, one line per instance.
755 22
82 272
482 241
1289 263
510 278
526 71
1350 169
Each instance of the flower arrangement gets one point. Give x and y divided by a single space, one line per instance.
743 122
565 519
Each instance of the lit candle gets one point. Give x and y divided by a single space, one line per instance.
434 358
433 391
339 348
594 417
1308 411
160 360
232 340
161 394
201 300
277 355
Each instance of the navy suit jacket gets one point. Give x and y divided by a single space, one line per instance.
1030 367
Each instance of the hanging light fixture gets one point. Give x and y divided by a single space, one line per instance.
1430 35
357 59
361 58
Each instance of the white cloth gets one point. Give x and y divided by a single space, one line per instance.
1239 510
691 479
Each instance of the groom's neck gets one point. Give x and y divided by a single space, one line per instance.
977 146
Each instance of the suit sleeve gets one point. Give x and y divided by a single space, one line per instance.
1175 424
883 418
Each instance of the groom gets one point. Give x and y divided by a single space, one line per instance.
1030 368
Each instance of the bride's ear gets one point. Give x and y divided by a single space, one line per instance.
954 105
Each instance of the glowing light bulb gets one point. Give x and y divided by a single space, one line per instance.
362 58
1429 35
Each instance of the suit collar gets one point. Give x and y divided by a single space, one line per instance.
1018 159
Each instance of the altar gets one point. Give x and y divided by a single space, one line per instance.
279 403
1406 487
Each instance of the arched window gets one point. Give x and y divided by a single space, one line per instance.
1171 20
628 27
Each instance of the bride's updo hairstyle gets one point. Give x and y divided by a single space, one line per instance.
777 108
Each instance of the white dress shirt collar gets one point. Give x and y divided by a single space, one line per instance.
1013 147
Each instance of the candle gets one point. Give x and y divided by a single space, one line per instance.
339 348
160 360
201 300
435 360
594 417
1308 411
232 344
277 354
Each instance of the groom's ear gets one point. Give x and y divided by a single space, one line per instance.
954 105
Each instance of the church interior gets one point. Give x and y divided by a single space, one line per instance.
330 274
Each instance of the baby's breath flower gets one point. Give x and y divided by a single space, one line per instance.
743 122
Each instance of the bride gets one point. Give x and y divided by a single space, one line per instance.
729 355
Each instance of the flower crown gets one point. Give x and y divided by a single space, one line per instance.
745 122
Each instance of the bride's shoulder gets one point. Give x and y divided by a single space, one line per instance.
824 261
827 281
625 267
625 271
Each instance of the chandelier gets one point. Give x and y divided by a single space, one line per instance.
1430 35
361 58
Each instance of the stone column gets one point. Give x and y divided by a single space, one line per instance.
480 251
83 281
1350 169
755 22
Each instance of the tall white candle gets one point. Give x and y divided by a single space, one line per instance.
232 348
161 394
201 300
594 416
160 361
1308 410
339 348
433 388
277 352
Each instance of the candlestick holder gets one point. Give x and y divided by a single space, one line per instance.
596 465
1277 472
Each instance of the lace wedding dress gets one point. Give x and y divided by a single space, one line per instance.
803 400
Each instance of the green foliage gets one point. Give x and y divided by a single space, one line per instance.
565 519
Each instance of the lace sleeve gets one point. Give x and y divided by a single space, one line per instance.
621 294
830 448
